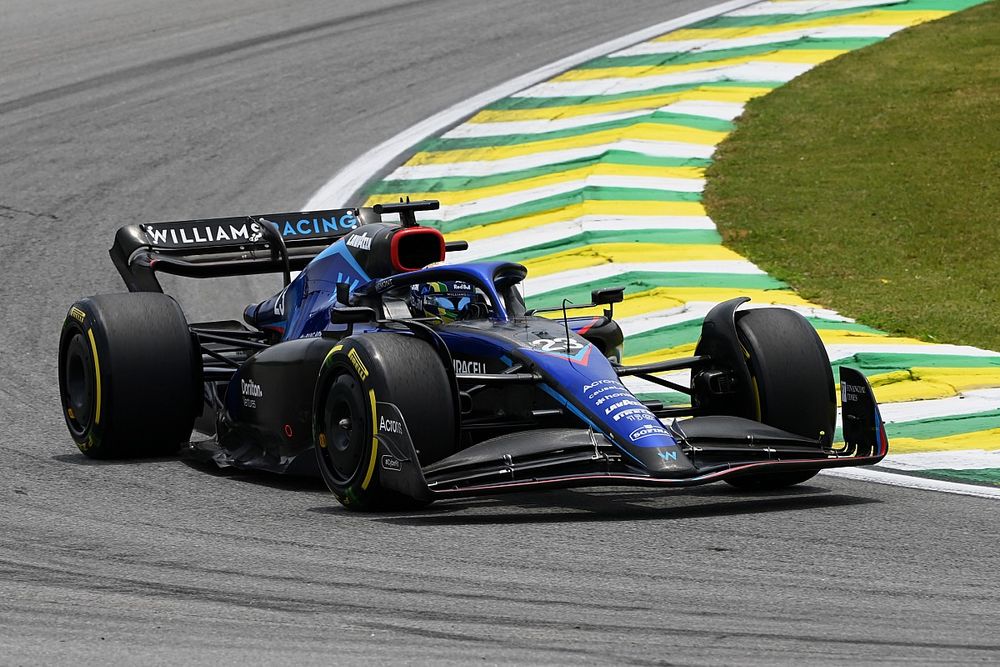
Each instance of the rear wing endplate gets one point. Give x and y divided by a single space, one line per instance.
216 247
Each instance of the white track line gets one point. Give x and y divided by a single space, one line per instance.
911 482
545 158
564 279
709 108
343 187
961 459
808 6
500 129
749 72
513 241
719 44
514 198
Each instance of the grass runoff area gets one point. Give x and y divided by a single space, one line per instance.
871 184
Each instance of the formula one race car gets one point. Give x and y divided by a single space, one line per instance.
400 379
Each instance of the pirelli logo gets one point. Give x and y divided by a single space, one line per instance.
359 366
77 314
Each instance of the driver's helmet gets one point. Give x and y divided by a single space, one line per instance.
449 301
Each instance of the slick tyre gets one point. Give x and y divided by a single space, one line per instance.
794 383
129 379
363 378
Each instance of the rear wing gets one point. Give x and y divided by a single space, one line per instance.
215 247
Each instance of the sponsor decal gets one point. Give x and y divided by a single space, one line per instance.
667 456
236 229
609 397
279 303
306 226
470 367
77 314
633 414
646 431
383 284
390 462
601 383
852 392
389 426
594 394
251 392
618 405
361 241
194 234
565 348
359 366
555 344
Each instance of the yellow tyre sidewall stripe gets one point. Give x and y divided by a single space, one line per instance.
374 454
97 376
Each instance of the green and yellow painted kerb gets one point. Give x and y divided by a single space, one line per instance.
595 177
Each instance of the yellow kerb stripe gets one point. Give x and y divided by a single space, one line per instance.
802 56
591 207
662 298
637 132
922 383
975 440
735 94
876 17
600 169
606 253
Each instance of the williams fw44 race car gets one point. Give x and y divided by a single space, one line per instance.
401 379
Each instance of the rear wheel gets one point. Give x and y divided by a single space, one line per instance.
793 384
367 382
129 380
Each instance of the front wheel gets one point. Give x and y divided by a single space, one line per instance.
374 388
793 384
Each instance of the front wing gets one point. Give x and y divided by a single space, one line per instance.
560 458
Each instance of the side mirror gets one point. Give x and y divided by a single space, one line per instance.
343 293
352 315
606 296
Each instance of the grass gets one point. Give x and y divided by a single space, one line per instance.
872 183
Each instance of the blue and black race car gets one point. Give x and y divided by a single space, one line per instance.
401 379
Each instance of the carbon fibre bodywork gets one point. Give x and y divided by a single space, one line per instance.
539 401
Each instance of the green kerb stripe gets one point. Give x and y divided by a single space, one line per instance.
778 19
643 281
982 476
460 183
942 427
670 236
666 397
688 331
519 103
876 363
688 58
659 118
589 193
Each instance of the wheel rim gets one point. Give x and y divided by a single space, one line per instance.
78 385
343 432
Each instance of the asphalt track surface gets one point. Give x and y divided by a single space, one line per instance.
117 111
